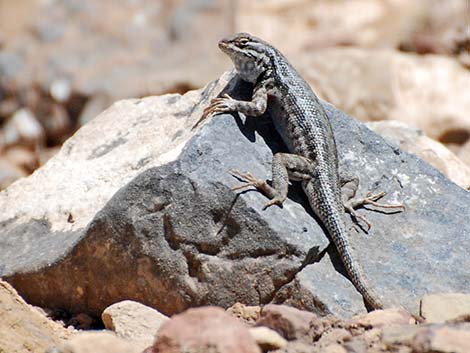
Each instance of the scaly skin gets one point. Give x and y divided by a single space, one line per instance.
304 126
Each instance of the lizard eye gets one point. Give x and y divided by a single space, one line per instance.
243 42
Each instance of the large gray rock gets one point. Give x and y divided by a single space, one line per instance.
136 206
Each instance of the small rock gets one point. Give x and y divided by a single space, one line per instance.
291 323
443 339
246 313
204 329
8 106
61 89
22 157
23 328
385 317
95 342
334 348
133 321
56 122
437 308
23 128
267 339
396 334
9 172
334 336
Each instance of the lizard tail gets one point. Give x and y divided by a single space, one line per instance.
335 225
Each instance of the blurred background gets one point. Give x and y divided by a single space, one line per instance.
62 62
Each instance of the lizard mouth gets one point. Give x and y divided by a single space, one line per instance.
223 44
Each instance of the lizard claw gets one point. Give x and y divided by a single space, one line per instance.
217 105
371 200
247 178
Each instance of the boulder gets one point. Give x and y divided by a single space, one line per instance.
133 322
414 141
95 342
138 206
206 329
24 328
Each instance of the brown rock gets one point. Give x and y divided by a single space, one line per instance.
9 172
437 308
378 318
380 23
246 313
334 336
267 339
23 328
23 158
290 323
202 330
399 334
443 339
133 322
334 348
95 342
57 124
428 92
414 141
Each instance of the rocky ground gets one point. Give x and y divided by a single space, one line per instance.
129 210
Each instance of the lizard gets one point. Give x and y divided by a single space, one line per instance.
305 128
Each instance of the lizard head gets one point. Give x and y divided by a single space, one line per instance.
248 53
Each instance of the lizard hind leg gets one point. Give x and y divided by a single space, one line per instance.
350 186
285 167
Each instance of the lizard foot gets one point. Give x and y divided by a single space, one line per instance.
247 178
352 204
260 185
216 106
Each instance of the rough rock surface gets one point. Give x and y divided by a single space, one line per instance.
136 206
267 339
435 153
95 342
24 328
291 323
133 321
206 329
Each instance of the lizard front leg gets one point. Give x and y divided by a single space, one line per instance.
226 104
285 167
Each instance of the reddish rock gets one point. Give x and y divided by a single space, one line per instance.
383 318
248 314
133 322
291 323
444 339
202 330
23 158
437 308
267 339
